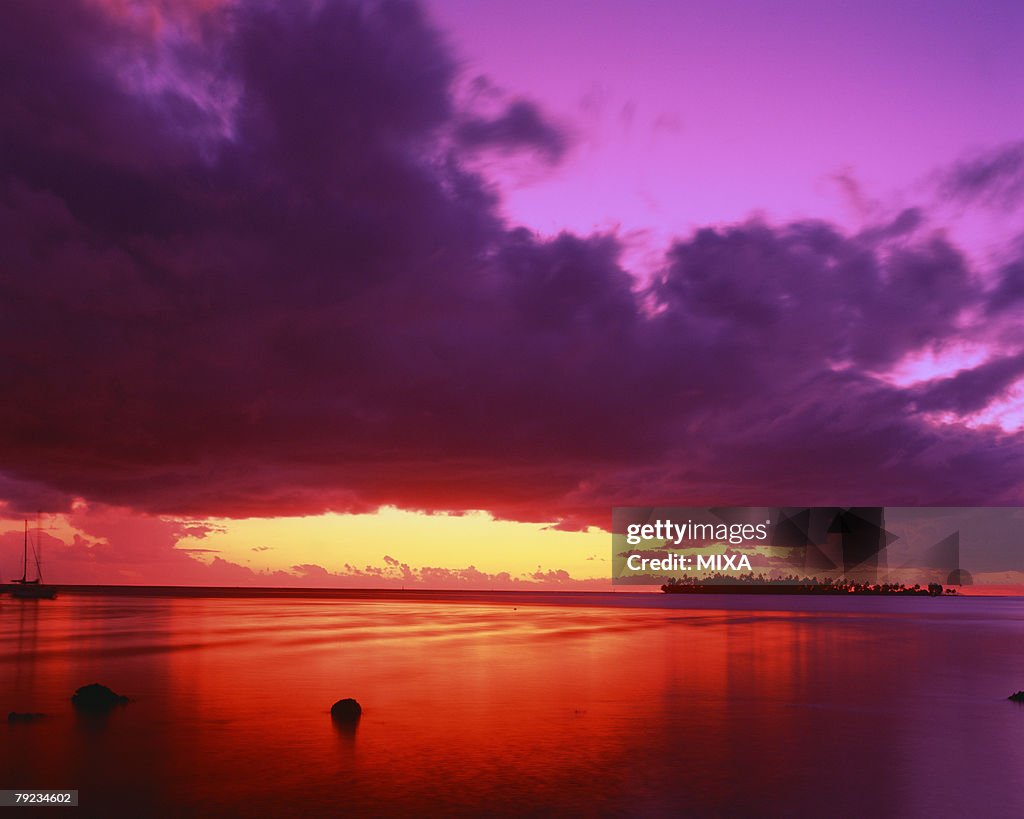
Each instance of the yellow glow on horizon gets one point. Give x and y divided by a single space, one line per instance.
452 541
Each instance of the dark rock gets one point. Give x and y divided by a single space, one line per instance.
96 697
17 716
1018 697
346 710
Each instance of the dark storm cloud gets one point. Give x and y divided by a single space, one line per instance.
248 272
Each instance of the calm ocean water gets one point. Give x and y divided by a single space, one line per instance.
632 705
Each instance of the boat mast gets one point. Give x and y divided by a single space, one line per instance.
38 552
24 556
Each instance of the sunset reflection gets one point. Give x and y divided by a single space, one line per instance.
534 706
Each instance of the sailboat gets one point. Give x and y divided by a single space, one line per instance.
32 589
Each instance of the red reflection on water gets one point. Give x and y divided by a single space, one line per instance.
499 708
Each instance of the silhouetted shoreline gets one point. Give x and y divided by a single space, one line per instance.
759 584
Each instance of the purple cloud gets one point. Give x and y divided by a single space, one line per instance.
521 126
973 389
994 176
263 279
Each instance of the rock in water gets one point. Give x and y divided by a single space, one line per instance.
96 697
1018 697
19 716
346 710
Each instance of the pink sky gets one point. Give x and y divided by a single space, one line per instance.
688 114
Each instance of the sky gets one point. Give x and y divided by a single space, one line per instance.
335 293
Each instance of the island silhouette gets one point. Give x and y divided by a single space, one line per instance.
794 584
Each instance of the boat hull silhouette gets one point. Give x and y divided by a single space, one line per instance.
33 591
